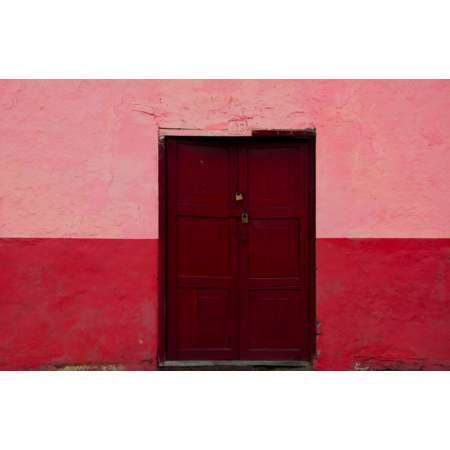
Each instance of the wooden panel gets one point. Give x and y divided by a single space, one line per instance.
282 238
273 320
274 304
204 319
274 178
203 184
238 291
202 248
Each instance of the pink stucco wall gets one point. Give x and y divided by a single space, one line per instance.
79 212
79 158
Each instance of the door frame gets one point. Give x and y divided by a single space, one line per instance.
310 136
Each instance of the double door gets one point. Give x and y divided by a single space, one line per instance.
239 249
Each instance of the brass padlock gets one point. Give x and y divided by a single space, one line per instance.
239 196
244 217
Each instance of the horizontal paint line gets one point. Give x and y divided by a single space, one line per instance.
149 238
74 238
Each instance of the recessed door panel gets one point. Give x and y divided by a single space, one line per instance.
204 320
203 184
272 316
273 247
274 179
203 248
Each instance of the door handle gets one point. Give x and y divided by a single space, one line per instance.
244 217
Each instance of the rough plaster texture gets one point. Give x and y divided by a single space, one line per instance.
383 304
77 302
79 158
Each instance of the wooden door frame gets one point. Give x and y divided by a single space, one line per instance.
308 135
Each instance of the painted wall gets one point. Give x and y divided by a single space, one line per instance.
79 213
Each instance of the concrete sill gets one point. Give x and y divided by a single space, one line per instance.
235 365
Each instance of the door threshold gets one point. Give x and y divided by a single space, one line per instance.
235 365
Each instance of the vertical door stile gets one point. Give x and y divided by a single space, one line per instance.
171 246
234 251
243 249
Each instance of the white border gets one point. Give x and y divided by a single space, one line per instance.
224 39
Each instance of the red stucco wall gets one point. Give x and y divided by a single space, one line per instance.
79 213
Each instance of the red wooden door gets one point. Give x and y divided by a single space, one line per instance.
239 291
